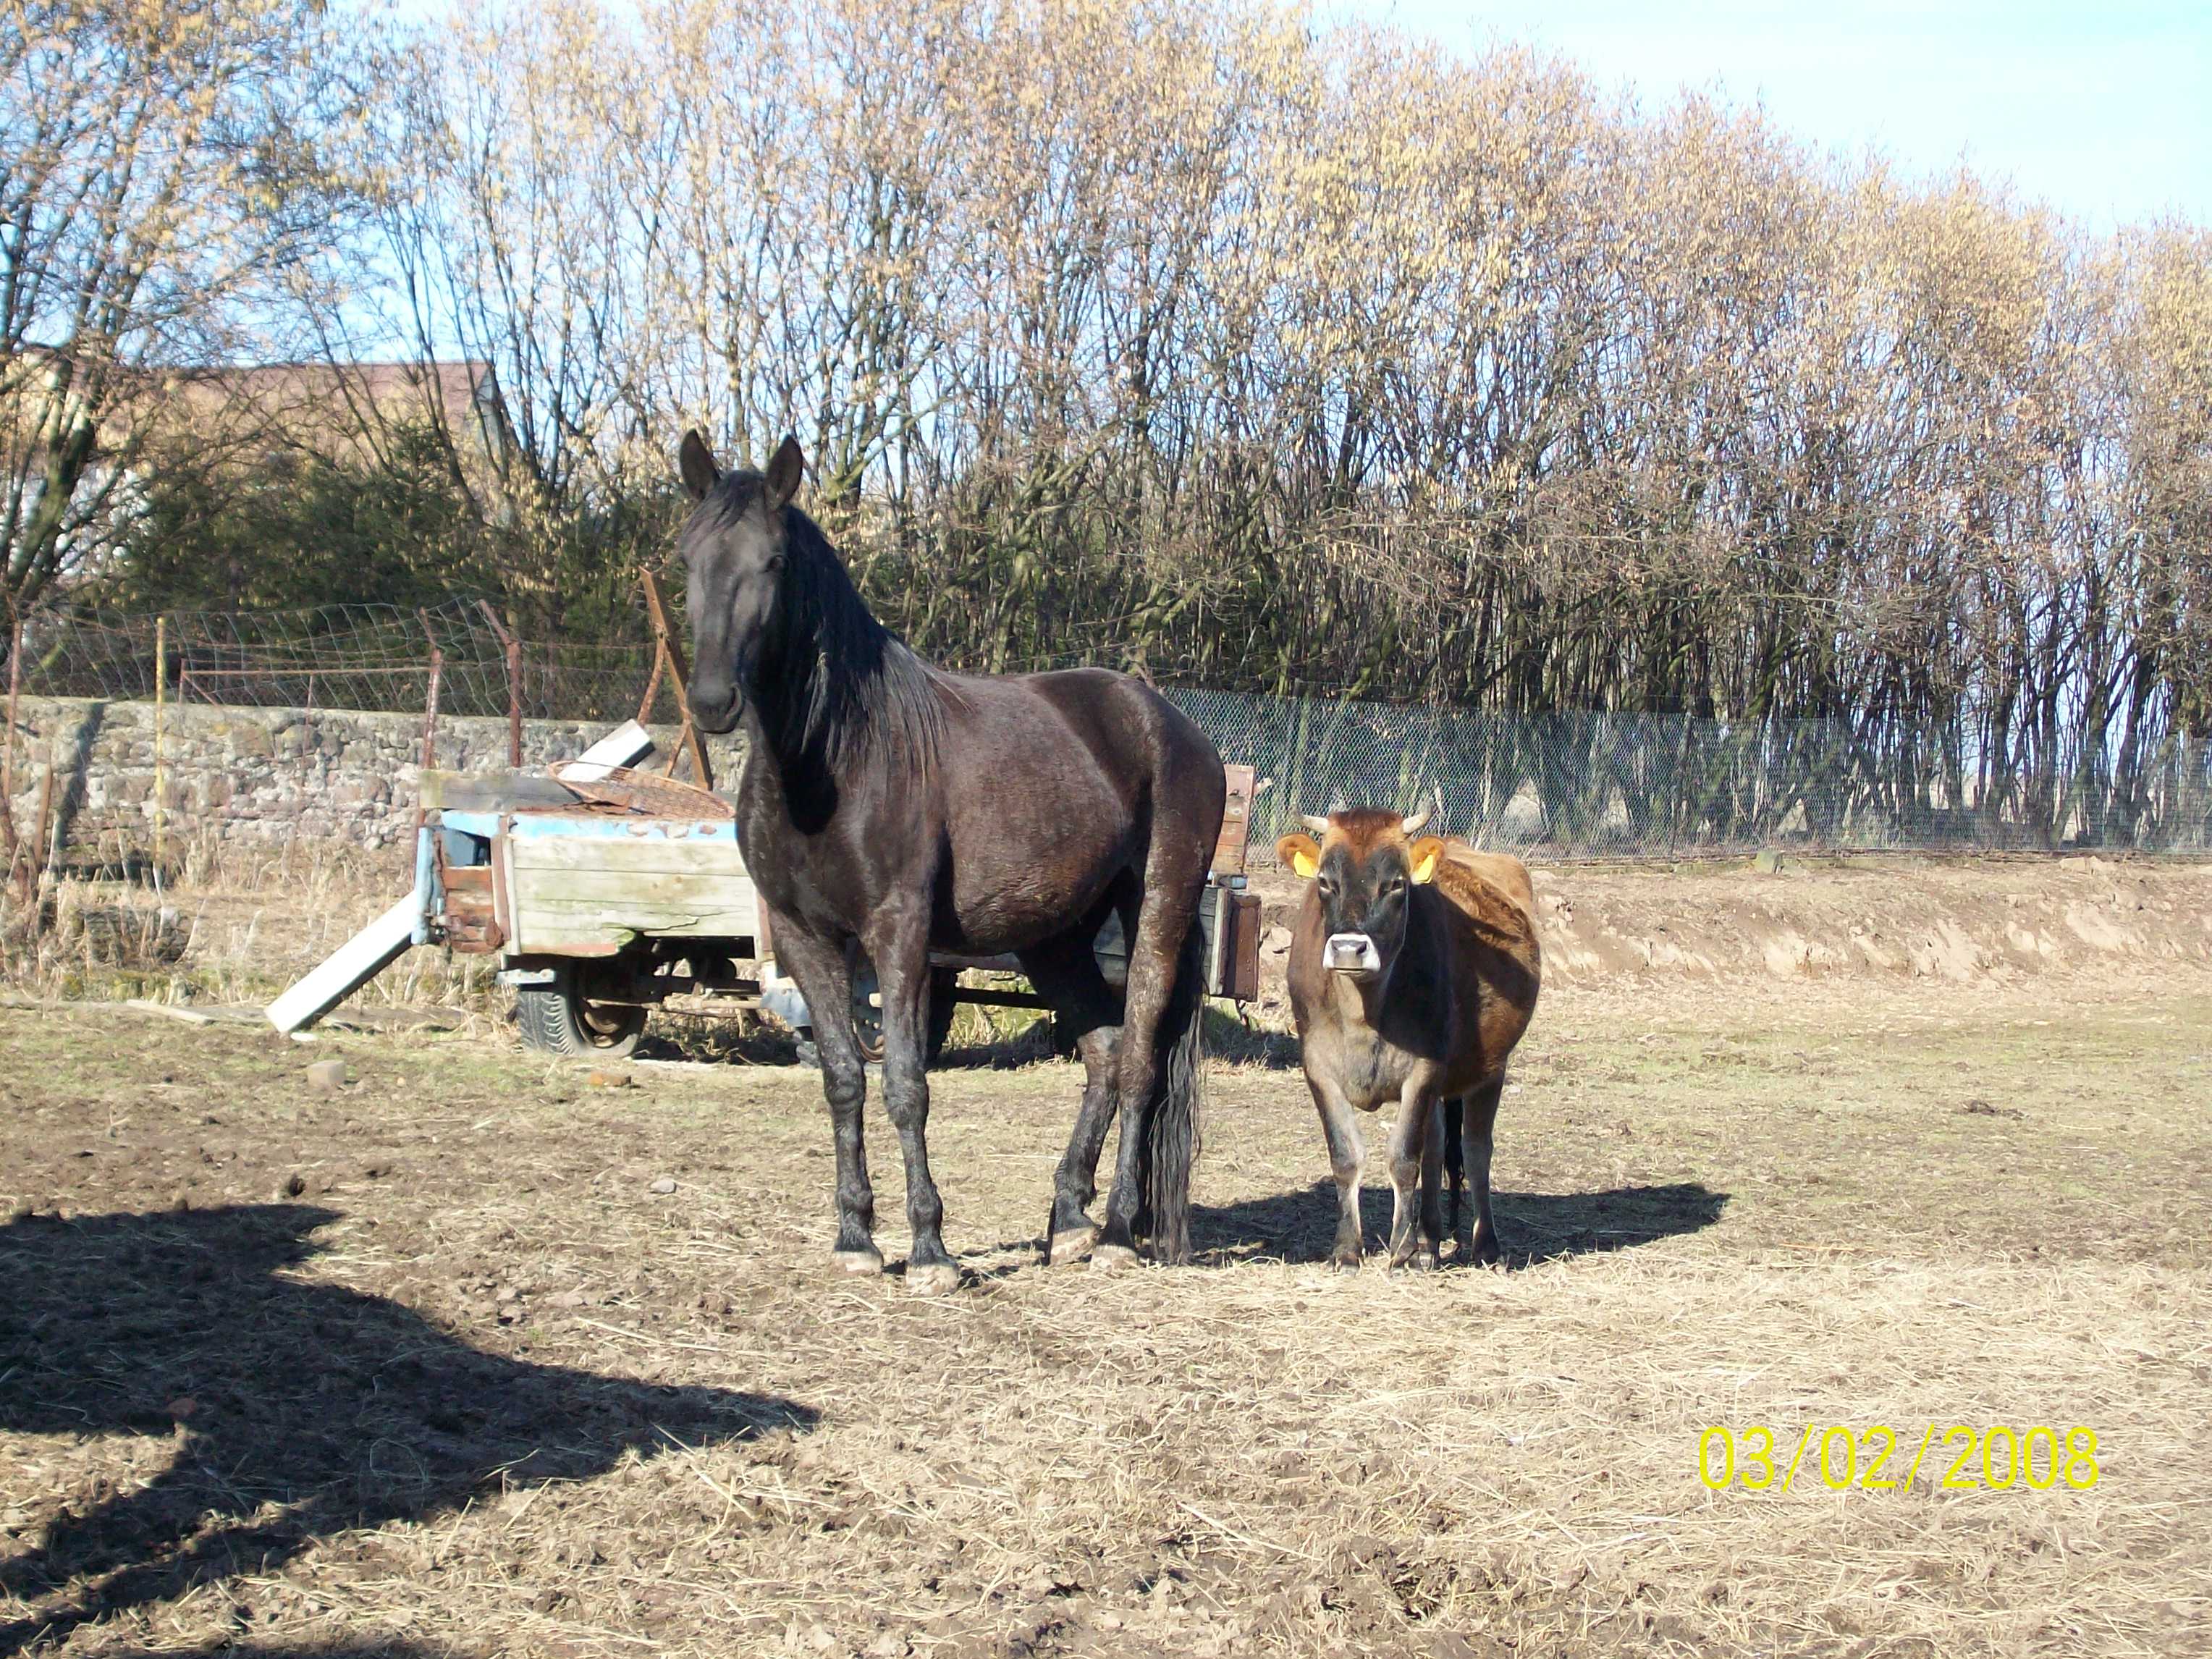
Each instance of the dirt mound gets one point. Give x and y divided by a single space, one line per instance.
1983 919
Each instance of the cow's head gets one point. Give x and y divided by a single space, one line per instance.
1363 869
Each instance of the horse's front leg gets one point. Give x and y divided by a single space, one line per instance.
898 943
826 983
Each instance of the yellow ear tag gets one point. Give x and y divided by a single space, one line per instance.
1305 863
1424 867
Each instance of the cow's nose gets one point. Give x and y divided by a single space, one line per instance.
1352 953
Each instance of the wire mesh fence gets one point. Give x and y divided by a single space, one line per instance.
366 657
1659 785
1571 784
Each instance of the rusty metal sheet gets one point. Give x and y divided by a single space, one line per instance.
1235 823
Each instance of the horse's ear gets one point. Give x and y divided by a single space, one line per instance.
1300 854
784 469
696 463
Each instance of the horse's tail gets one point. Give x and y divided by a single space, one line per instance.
1171 1116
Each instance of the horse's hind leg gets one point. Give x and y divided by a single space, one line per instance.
1065 971
1481 1119
1156 948
826 983
898 943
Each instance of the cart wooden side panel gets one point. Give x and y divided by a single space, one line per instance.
587 884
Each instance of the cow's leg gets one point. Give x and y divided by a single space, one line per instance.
818 968
1454 1159
1409 1140
1339 1127
1065 973
1481 1246
898 943
1432 1170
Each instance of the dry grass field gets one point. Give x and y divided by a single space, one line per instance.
477 1356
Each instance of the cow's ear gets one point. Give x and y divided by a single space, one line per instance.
1299 853
696 462
1424 855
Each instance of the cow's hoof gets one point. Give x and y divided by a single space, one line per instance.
858 1263
1346 1261
931 1277
1112 1258
1071 1246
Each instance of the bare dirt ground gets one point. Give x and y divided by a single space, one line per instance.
475 1357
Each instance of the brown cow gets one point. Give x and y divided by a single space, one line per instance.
1413 972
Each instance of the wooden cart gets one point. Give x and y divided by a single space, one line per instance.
608 897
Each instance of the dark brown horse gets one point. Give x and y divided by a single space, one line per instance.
887 803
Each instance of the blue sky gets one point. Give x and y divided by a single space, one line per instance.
2104 111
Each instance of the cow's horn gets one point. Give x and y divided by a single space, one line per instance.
1318 822
1418 821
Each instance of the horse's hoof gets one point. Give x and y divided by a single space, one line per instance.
931 1277
1071 1246
859 1263
1112 1258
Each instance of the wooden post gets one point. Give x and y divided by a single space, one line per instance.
430 703
512 647
668 651
430 710
160 714
8 760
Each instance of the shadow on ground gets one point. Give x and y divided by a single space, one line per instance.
1532 1227
298 1409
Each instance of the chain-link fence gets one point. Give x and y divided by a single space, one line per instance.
1626 784
1657 785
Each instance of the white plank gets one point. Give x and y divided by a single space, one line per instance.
625 745
356 962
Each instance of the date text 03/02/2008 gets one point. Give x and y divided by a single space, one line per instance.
1879 1459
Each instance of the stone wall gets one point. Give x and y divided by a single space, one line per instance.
240 773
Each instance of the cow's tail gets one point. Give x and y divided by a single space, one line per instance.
1171 1116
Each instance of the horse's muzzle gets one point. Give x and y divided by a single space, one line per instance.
1352 953
717 715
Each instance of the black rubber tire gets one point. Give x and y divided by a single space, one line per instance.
942 982
553 1019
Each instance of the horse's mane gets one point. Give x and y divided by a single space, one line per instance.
844 688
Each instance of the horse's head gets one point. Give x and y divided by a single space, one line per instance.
734 545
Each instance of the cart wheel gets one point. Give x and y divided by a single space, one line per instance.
868 1020
561 1018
